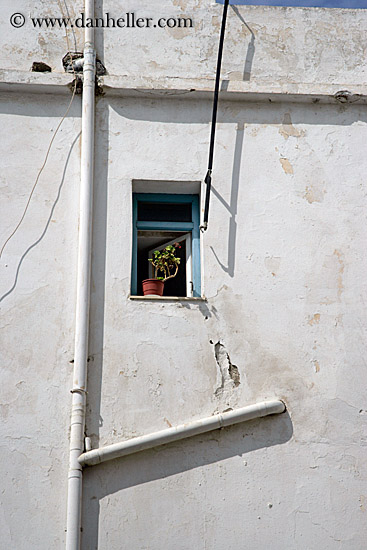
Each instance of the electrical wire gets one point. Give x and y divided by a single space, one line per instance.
47 154
208 177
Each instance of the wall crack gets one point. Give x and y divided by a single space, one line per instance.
230 376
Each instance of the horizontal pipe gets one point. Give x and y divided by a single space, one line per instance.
117 450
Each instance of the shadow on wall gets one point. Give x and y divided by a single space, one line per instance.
98 273
176 458
232 206
185 110
100 9
250 48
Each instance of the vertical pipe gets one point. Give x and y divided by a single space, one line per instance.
77 425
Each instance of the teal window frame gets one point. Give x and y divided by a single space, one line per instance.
192 227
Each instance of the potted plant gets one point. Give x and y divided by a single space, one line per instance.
165 262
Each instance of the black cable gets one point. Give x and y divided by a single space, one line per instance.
208 177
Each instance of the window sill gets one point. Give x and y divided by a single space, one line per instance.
153 298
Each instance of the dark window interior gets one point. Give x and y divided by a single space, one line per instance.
148 240
164 212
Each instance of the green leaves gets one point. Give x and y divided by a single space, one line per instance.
166 262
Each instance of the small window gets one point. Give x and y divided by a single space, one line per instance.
160 220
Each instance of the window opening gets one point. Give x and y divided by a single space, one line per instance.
160 220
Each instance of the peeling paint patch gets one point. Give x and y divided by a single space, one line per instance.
178 32
216 21
286 165
288 130
230 376
314 193
180 3
316 365
315 319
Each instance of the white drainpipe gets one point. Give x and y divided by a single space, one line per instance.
83 290
196 427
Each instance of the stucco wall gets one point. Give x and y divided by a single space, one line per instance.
37 316
283 264
283 273
263 43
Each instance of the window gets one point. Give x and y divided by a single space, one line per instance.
159 220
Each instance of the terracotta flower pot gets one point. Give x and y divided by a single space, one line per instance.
153 287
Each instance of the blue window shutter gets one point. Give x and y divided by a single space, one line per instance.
196 272
134 263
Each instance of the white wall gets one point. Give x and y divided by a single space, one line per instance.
296 44
37 305
284 263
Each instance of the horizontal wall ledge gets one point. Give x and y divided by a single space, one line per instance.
195 88
189 429
234 90
36 83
